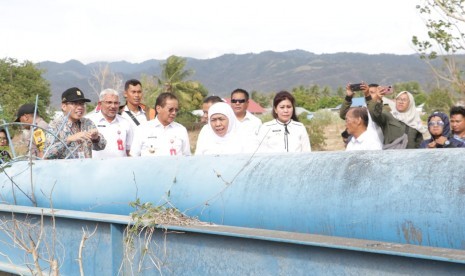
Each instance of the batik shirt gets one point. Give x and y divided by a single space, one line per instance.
59 149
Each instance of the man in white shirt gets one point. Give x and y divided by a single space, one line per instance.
162 136
248 124
356 124
117 130
134 111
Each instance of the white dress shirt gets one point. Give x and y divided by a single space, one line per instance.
249 125
272 137
368 140
154 139
140 116
118 133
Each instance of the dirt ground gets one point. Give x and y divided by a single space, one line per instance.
333 137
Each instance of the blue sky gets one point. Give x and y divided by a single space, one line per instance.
141 29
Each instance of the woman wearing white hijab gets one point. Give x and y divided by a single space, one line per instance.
221 136
402 119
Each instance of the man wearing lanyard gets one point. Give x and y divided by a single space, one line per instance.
134 111
162 135
77 136
116 129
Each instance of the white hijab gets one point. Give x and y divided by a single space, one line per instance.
409 117
226 110
211 143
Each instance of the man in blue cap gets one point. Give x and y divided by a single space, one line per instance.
77 135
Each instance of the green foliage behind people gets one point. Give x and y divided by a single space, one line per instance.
445 22
263 99
413 87
439 100
311 98
20 82
173 79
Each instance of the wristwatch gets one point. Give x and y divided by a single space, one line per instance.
446 143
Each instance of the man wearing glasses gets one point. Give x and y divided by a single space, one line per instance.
248 124
162 136
77 135
117 130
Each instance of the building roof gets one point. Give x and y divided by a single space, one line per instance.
356 102
254 107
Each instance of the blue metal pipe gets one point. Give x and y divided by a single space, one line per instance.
220 250
409 196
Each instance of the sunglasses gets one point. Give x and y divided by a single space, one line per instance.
238 101
436 123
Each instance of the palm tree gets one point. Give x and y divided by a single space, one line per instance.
174 80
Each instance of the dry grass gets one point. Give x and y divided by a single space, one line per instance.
333 136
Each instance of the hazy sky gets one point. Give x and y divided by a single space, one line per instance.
137 30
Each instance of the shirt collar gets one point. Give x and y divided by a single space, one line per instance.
140 109
360 138
157 123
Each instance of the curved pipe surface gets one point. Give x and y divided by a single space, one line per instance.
408 196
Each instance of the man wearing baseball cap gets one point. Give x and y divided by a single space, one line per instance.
25 116
77 135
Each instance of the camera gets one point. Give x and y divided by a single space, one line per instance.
388 90
355 87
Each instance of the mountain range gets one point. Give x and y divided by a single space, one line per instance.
264 72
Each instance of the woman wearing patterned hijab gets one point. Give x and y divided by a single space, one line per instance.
439 128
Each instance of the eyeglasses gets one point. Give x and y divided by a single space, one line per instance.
3 139
110 103
76 103
238 101
171 110
402 100
436 123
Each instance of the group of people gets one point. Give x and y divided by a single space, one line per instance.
397 124
133 129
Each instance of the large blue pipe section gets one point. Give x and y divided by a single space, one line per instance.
205 250
409 196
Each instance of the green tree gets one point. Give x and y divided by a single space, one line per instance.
264 100
326 91
445 21
306 97
439 100
20 82
174 80
151 89
413 87
328 102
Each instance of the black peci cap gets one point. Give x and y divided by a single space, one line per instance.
73 94
24 109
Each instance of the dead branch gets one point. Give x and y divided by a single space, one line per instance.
85 237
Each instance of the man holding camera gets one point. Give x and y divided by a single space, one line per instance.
367 90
